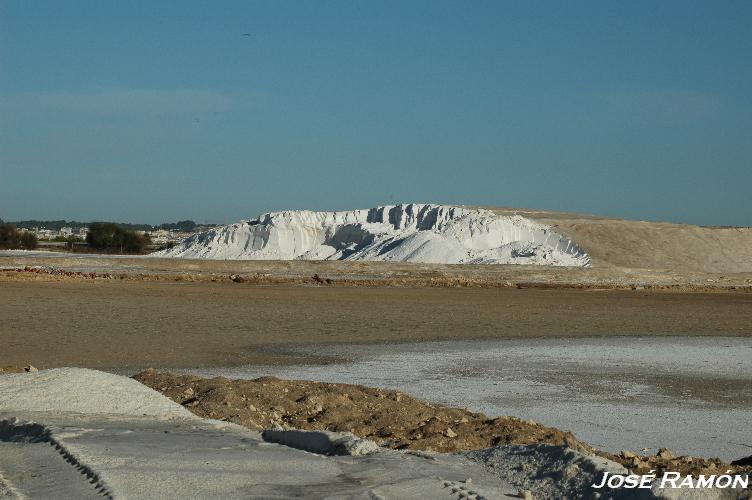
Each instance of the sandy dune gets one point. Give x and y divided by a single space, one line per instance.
652 245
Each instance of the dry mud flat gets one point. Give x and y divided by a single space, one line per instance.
137 324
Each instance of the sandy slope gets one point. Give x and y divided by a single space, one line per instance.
652 245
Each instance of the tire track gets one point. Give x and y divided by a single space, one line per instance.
31 458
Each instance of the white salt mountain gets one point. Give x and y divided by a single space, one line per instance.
402 233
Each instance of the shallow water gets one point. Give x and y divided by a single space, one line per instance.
690 394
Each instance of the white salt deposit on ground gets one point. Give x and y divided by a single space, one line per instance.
402 233
77 433
614 393
84 442
89 392
551 471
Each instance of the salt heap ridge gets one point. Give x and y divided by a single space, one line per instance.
398 233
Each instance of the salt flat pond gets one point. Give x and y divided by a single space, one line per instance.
690 394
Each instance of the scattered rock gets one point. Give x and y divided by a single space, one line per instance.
450 433
635 462
571 472
30 368
526 494
237 278
12 369
666 454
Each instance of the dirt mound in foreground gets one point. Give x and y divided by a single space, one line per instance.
390 418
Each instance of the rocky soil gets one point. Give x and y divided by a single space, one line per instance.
390 418
73 267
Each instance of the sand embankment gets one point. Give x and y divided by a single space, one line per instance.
618 243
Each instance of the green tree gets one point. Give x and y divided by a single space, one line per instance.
29 240
9 236
112 237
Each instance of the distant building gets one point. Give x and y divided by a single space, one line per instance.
160 236
45 234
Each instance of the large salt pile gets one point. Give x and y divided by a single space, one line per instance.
402 233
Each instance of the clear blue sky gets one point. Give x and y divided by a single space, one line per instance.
142 111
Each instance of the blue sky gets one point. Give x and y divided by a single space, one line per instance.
145 111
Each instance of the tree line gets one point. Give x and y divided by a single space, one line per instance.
103 236
185 226
111 237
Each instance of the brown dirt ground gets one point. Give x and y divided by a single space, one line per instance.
390 418
136 324
12 369
365 274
